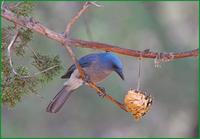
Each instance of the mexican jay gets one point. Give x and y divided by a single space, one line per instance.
97 66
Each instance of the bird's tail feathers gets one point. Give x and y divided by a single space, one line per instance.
58 101
69 86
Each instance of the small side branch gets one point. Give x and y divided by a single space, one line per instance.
74 59
66 35
10 51
75 18
40 72
2 4
105 95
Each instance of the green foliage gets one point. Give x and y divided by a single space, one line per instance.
42 62
25 35
15 86
23 9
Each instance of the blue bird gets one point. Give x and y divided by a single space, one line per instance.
97 66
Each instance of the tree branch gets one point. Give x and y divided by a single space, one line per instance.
10 50
40 72
39 28
80 69
67 31
105 95
75 18
66 35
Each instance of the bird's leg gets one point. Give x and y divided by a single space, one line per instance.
102 92
86 78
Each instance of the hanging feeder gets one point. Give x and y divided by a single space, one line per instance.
138 103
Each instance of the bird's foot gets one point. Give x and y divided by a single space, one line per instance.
102 92
86 78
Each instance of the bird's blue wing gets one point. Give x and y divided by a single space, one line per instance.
72 68
84 62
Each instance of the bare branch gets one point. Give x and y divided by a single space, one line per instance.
74 59
39 28
95 4
10 50
130 52
2 4
77 16
13 6
37 73
33 51
80 69
40 72
105 95
74 19
66 34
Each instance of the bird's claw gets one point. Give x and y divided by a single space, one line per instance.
102 92
86 78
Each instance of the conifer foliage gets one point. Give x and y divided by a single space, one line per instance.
15 86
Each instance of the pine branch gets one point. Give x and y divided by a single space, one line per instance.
18 81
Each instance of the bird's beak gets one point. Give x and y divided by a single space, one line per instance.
120 73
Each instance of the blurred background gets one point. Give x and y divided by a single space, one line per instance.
158 26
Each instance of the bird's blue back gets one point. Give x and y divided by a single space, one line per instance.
107 60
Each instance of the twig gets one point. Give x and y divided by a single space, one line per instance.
2 4
77 16
39 28
66 34
74 19
9 51
95 4
40 72
33 51
105 95
34 74
75 61
12 7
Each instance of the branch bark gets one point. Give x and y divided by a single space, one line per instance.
75 18
66 35
36 26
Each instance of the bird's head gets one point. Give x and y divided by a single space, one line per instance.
116 64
